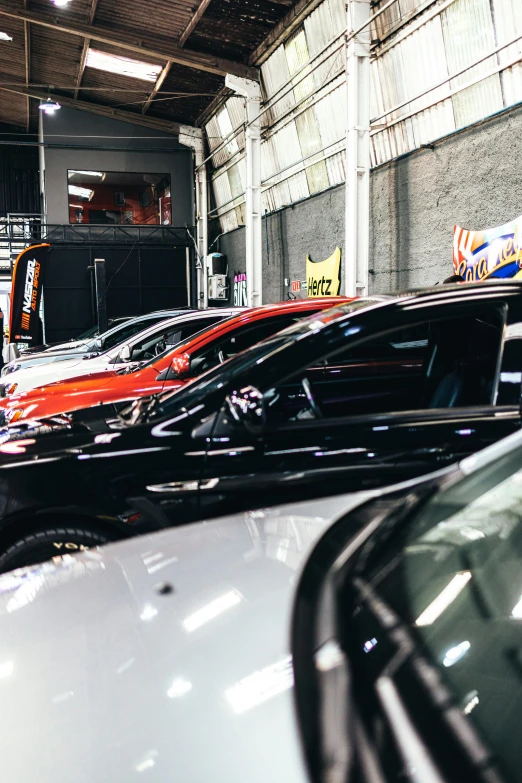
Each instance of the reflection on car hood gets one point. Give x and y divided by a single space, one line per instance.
41 375
164 657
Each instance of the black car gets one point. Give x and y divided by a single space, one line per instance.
362 395
407 631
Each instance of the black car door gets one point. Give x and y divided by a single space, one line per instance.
400 404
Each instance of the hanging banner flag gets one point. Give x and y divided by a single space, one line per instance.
495 252
26 294
323 278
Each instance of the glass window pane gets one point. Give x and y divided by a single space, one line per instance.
119 198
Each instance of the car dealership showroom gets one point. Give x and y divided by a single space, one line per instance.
238 544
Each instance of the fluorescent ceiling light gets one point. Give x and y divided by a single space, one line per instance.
60 3
123 66
76 190
211 610
5 37
444 599
87 173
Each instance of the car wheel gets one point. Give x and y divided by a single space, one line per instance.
45 544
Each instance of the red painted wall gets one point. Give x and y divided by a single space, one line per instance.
103 199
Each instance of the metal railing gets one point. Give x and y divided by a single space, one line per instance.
18 231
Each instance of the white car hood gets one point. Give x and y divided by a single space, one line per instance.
33 377
103 679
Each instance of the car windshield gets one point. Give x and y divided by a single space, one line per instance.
454 577
220 375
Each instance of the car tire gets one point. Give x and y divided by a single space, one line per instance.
47 543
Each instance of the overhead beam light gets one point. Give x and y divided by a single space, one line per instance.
60 3
87 173
49 106
123 66
5 37
76 190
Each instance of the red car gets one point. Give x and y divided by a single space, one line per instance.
166 372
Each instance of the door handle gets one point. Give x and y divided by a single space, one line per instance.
172 487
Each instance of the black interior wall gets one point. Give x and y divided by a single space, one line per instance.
139 280
19 180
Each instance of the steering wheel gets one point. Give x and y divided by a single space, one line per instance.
314 407
160 348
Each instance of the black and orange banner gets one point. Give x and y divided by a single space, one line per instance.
26 294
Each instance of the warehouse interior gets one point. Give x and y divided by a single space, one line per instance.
433 145
260 391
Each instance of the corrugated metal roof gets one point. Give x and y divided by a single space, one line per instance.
305 153
229 28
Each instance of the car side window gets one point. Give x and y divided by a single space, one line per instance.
237 341
125 334
159 343
446 363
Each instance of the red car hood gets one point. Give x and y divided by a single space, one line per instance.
86 392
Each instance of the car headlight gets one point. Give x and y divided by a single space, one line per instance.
14 415
10 388
9 368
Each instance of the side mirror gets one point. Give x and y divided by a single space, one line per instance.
98 343
125 353
180 367
247 407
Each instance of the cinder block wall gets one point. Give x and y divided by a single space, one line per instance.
472 178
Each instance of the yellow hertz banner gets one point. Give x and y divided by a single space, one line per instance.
324 278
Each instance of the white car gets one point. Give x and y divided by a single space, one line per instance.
261 647
96 344
164 658
142 347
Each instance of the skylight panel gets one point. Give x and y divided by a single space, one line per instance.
123 66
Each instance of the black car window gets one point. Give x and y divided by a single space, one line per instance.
237 341
452 577
440 364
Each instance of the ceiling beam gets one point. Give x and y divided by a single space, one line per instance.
92 12
157 87
282 31
85 50
27 48
83 60
131 42
194 21
96 108
27 44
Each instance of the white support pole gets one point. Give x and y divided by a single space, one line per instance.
254 235
193 138
357 244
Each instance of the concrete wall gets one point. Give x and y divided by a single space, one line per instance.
471 178
126 152
313 227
